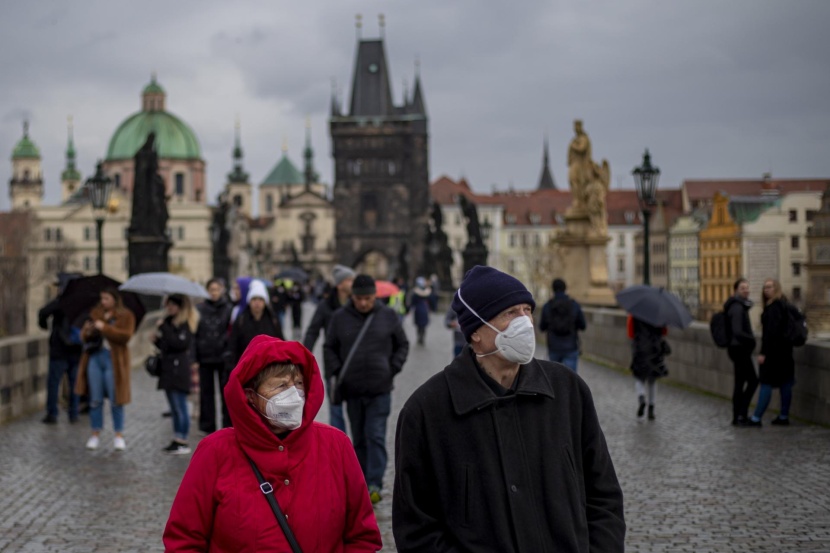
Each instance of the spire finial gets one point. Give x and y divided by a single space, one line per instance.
405 91
69 126
26 128
284 145
153 76
417 65
382 24
358 23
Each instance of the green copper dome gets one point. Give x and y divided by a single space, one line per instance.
174 139
153 87
284 173
25 149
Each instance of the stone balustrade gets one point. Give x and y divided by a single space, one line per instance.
696 362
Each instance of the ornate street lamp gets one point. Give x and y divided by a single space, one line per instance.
486 227
646 177
99 188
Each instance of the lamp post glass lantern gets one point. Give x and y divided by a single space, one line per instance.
99 187
646 178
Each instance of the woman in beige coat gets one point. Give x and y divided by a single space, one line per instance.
104 368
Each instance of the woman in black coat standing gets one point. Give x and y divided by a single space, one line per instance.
648 353
776 363
174 339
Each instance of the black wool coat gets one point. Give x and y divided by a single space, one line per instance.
175 344
778 367
648 352
212 334
526 472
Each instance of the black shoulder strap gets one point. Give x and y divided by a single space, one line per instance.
268 490
348 360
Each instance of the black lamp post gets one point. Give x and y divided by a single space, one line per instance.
99 188
486 227
646 177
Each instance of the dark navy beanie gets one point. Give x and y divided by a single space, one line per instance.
489 292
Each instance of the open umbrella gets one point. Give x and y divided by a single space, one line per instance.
655 306
292 273
163 284
386 288
82 294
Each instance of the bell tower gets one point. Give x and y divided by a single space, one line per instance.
70 177
26 184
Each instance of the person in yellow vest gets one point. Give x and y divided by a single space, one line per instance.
397 302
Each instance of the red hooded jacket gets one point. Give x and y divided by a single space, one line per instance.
314 471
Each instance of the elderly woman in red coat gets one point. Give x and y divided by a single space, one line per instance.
273 395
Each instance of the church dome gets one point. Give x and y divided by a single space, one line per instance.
174 138
25 148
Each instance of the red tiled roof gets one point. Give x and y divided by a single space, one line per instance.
701 190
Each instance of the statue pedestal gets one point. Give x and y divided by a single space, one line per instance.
584 262
148 254
474 254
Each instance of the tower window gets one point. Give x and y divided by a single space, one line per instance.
269 203
180 184
237 200
369 208
117 180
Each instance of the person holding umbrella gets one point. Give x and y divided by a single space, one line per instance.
174 338
104 367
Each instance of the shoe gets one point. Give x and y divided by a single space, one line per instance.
49 419
641 410
739 421
119 444
172 447
180 449
651 412
779 421
753 423
167 414
93 442
374 494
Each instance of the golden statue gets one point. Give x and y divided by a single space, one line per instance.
589 181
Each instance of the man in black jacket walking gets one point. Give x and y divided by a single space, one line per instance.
211 343
501 452
562 319
366 382
741 346
337 298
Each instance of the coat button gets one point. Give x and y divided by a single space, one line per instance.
286 481
281 448
513 488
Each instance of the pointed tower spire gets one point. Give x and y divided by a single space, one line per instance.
371 91
308 154
418 105
546 178
238 174
70 172
382 25
335 103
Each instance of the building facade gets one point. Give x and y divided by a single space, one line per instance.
684 260
720 257
818 269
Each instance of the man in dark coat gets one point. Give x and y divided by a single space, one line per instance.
741 346
562 319
366 383
337 298
501 452
211 343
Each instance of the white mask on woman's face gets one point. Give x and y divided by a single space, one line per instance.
516 343
285 410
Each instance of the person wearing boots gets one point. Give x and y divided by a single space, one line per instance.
741 347
648 363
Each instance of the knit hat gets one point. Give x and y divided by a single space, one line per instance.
257 290
363 285
341 273
488 291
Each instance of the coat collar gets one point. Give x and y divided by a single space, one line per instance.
469 392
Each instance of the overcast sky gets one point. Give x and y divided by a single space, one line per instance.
715 89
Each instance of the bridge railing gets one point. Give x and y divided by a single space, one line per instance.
696 362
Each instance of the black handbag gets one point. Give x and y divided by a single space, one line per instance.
153 365
268 490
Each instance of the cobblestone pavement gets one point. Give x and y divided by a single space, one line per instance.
691 481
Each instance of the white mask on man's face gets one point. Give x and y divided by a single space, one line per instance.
516 343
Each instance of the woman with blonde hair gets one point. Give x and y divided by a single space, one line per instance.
775 362
173 339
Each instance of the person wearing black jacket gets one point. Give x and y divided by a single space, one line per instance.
211 343
257 318
501 452
775 362
64 354
337 298
741 346
562 319
174 340
366 385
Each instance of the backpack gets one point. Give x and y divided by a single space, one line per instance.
562 316
720 329
796 326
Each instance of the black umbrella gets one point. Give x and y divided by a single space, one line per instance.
292 273
82 294
655 306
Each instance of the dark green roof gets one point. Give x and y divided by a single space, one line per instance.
25 149
174 139
153 87
284 173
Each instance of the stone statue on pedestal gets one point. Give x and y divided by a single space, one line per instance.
475 252
148 242
589 181
437 254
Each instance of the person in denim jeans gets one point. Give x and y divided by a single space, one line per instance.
174 339
562 319
105 365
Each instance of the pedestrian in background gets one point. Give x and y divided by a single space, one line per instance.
366 382
648 362
740 349
104 367
273 395
562 319
420 302
501 452
775 363
239 296
211 343
256 318
174 340
64 354
458 340
339 296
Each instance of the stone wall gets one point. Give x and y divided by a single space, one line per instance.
696 362
24 368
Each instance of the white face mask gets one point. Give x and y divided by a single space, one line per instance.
516 343
285 410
